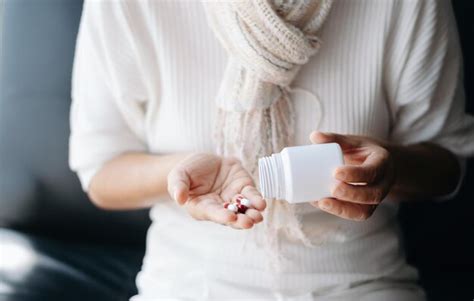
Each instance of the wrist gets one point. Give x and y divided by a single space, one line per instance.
161 166
166 163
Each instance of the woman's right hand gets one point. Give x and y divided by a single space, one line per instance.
203 182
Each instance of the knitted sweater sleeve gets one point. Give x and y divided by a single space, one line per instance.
423 78
109 95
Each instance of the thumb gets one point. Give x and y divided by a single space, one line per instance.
178 185
344 141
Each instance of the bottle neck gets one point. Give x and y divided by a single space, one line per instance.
272 177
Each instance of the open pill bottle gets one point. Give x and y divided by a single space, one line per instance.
301 173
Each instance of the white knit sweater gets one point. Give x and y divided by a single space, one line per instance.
145 79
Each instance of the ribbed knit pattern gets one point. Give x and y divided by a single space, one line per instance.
268 42
146 77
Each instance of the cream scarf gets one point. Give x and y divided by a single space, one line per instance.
267 41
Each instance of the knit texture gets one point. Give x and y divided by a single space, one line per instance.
145 79
267 42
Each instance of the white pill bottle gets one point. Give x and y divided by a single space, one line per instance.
301 173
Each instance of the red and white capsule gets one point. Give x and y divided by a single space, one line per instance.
241 208
232 207
241 200
245 202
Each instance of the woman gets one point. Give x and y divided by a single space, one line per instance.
155 80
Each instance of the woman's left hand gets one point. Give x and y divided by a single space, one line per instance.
366 178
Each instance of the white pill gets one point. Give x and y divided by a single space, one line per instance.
245 202
232 208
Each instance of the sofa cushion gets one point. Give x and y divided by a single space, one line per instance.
38 192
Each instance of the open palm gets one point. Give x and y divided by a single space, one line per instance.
203 182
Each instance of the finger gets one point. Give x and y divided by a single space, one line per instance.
211 210
243 222
178 185
345 141
255 215
370 171
181 192
251 193
351 211
362 194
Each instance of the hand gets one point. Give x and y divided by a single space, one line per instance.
203 182
366 178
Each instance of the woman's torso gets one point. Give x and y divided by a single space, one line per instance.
339 90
